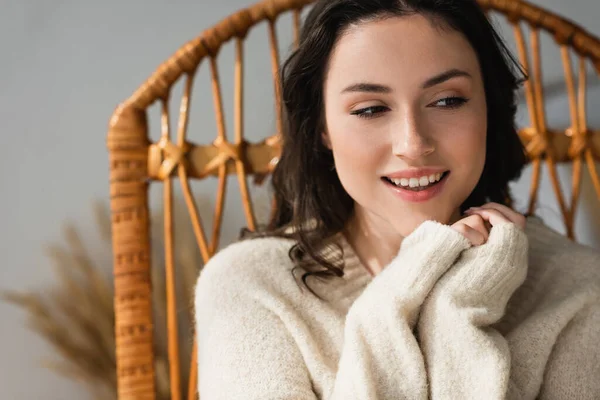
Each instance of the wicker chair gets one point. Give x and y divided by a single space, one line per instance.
136 161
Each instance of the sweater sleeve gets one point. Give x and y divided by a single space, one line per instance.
246 352
573 369
466 357
381 358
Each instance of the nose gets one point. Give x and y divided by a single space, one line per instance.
410 142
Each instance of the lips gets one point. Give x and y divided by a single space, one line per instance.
412 189
420 194
416 183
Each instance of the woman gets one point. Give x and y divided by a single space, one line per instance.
394 212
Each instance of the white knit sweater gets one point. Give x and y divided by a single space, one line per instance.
515 318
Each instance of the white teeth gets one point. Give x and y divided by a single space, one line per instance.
416 182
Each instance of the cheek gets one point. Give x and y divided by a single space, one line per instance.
469 146
358 154
466 147
354 152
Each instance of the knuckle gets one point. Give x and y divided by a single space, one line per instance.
476 218
461 228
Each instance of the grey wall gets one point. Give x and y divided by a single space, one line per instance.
65 66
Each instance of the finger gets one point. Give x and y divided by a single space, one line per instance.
478 223
494 217
471 234
507 211
514 216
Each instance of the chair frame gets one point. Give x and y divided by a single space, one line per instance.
136 162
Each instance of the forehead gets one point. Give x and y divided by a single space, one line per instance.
407 49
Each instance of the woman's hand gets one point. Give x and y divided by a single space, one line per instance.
479 221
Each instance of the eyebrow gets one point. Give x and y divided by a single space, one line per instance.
367 88
436 80
445 76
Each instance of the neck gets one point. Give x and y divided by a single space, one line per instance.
373 247
376 242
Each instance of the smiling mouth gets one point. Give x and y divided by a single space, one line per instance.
415 185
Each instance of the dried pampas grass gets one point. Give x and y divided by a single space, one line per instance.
77 316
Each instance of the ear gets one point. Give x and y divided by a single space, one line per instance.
326 140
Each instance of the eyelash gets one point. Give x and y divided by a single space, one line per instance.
372 112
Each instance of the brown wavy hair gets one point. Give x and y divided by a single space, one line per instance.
311 206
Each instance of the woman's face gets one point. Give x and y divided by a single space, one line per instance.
405 107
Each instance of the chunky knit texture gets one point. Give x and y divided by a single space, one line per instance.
516 318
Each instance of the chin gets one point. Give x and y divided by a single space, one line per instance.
408 223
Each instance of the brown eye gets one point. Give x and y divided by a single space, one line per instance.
451 102
370 112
